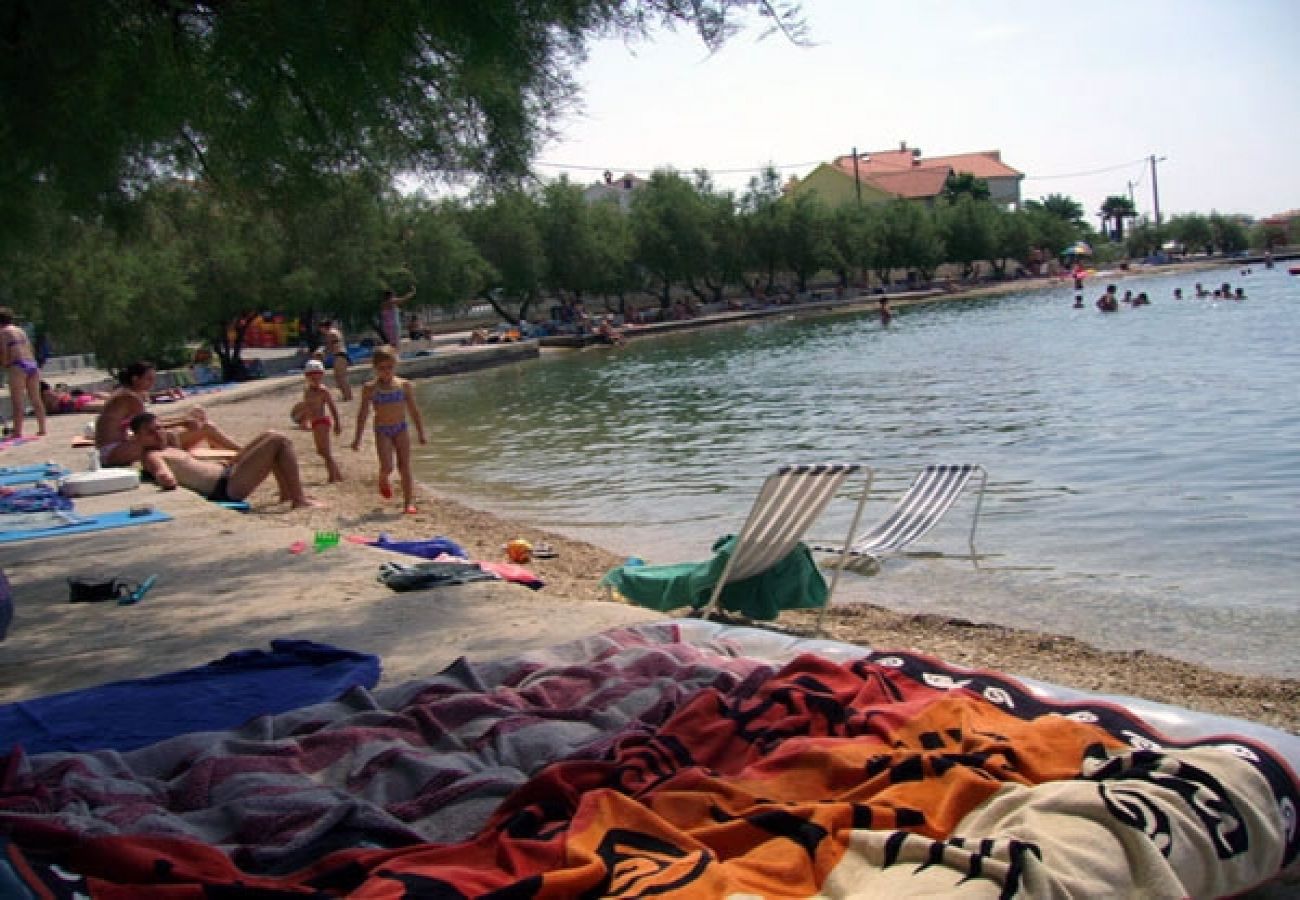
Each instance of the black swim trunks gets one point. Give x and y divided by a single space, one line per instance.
220 492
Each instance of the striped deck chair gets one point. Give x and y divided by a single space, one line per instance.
789 502
932 493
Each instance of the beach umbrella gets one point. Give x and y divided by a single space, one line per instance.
1078 248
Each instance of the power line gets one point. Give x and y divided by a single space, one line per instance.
1114 168
633 170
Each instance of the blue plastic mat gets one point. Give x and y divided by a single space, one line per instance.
121 518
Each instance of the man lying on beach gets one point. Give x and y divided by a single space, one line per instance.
267 454
113 438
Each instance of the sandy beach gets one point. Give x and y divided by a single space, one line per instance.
507 617
573 575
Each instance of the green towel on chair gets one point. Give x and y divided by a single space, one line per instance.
793 583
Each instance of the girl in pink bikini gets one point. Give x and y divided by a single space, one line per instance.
19 364
393 400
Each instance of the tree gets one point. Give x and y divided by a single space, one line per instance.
964 184
969 229
122 295
1192 231
1229 234
1143 240
1114 210
569 241
855 241
1049 231
726 236
506 235
910 240
766 223
616 271
1012 239
671 223
98 99
808 240
442 259
336 245
1062 207
234 259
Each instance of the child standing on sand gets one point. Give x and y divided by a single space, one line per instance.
393 400
317 411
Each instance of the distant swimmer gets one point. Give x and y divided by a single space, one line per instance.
1109 301
1240 295
1078 301
1178 293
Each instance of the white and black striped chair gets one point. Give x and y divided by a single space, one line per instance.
789 502
932 493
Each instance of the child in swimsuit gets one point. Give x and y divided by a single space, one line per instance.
393 400
19 364
315 412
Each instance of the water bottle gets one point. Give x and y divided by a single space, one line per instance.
93 458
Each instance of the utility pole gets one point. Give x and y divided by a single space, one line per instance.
857 179
1131 185
1155 190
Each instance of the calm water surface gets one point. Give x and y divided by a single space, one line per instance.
1143 490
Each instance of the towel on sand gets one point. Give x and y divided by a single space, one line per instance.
124 715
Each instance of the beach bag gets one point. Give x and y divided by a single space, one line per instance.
94 590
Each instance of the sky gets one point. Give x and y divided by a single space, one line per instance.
1078 97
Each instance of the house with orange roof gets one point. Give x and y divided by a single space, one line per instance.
904 173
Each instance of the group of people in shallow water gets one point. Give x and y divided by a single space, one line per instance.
167 449
1110 301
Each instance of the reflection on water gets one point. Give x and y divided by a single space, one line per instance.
1142 488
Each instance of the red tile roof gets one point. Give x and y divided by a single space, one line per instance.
986 164
913 184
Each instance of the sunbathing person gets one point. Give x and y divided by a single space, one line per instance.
267 454
113 437
61 400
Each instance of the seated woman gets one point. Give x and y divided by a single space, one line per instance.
61 400
113 436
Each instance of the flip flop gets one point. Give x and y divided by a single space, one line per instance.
385 489
544 551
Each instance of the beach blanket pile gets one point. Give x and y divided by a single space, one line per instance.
646 762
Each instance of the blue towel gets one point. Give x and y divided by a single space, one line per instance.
429 548
226 693
118 519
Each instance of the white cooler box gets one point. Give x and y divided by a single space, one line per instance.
99 481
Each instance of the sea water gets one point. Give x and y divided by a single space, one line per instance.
1143 488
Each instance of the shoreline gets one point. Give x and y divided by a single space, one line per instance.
572 576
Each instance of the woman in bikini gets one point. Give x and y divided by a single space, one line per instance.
393 400
24 374
113 436
336 357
